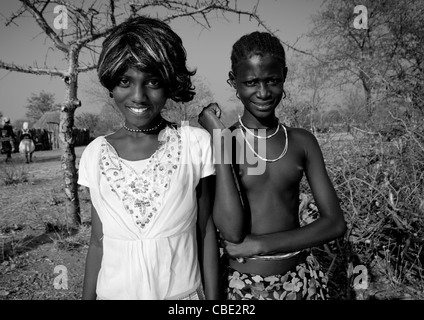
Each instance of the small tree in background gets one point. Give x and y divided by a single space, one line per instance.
87 120
39 104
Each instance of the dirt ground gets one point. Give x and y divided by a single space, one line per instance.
37 261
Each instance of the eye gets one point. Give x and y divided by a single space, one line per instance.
250 83
124 82
154 83
274 82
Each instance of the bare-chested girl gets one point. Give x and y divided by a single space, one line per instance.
257 212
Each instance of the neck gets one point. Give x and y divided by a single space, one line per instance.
252 122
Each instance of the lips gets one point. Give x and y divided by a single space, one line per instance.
137 110
262 105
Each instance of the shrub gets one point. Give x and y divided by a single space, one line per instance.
380 184
13 174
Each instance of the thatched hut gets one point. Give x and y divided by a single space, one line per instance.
49 121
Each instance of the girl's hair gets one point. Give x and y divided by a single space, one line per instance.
257 43
149 45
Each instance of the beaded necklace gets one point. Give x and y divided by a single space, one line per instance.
283 153
145 130
257 136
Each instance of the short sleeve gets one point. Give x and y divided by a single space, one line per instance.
203 142
86 162
82 170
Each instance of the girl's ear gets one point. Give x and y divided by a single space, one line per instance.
231 79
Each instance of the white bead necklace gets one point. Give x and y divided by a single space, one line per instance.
145 130
257 136
265 159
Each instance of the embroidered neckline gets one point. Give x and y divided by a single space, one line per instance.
142 194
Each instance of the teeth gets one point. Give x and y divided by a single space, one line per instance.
263 105
138 110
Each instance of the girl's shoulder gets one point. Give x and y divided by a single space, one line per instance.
300 134
94 145
303 140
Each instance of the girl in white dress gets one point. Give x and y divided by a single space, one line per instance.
151 182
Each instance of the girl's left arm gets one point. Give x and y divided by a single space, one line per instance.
328 227
207 238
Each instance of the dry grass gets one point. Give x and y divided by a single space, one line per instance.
35 234
380 184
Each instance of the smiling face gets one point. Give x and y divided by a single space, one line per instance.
259 81
140 96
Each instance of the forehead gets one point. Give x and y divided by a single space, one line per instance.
135 72
259 65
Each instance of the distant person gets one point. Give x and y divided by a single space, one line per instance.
257 213
7 139
27 145
151 183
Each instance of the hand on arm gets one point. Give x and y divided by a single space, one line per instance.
94 257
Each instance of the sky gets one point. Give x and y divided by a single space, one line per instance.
207 50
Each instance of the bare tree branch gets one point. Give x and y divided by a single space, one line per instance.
87 68
112 12
44 26
32 70
16 15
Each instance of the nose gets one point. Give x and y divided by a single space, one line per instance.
138 94
263 91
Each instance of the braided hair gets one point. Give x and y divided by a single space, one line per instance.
257 43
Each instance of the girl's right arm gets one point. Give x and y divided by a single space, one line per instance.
94 257
228 213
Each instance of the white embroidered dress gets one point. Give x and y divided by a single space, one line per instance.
148 210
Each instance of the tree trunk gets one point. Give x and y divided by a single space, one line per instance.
68 142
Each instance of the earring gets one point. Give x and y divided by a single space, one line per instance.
237 95
110 94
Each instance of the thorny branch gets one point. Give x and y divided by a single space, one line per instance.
33 70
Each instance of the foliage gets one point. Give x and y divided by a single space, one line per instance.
40 104
386 58
89 121
380 184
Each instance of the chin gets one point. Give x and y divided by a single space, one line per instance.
263 114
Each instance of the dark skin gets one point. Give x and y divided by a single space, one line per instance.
140 97
263 219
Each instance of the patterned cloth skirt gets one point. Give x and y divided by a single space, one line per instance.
304 282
